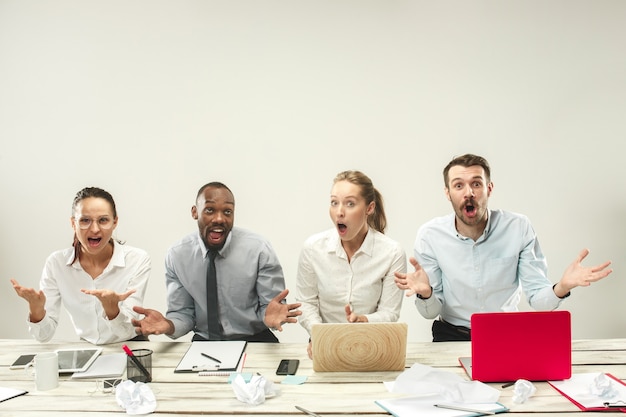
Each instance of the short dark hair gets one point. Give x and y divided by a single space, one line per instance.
213 184
467 160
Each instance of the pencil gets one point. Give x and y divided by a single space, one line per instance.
305 411
461 408
211 357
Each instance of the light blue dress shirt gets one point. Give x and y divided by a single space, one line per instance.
483 276
248 277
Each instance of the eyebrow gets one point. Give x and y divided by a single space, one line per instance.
84 216
476 177
349 196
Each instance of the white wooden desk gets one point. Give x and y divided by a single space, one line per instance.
328 394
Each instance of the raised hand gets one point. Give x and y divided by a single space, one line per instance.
352 317
36 301
278 313
110 300
577 275
152 323
415 282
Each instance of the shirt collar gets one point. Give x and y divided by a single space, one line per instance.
488 226
117 259
367 247
222 252
485 232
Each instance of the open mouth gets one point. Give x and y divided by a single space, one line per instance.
470 209
342 228
94 241
216 234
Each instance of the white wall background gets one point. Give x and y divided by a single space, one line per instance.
152 99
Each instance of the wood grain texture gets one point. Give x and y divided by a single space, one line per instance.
331 394
359 347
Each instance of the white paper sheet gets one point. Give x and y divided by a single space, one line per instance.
8 393
425 406
228 352
578 388
105 366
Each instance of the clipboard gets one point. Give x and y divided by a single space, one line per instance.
219 355
8 393
576 389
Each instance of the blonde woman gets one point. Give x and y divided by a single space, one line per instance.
346 273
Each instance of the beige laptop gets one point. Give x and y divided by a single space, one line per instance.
359 347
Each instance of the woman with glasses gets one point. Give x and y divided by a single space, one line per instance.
98 279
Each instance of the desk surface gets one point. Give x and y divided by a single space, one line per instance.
328 394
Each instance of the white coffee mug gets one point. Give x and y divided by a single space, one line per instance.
46 366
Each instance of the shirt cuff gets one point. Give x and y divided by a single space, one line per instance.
565 296
425 298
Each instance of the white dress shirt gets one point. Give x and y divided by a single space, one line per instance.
327 281
61 282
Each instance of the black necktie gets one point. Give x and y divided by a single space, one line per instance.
213 317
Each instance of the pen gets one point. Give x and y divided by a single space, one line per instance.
619 404
461 408
211 357
305 411
137 363
508 384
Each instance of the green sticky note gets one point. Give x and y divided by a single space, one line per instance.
294 380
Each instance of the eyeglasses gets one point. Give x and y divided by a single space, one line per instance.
104 223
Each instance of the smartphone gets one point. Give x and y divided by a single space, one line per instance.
22 361
287 367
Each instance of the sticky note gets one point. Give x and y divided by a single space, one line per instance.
294 380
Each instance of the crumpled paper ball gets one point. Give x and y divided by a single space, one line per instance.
420 379
135 397
253 392
522 391
602 387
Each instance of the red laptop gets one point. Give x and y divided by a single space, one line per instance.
535 345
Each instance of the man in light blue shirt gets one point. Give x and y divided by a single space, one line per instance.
480 260
249 288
